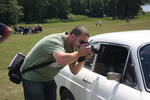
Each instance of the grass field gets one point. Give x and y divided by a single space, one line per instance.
23 43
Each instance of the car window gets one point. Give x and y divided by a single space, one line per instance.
129 78
145 62
112 58
88 63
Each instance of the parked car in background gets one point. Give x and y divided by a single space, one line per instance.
120 70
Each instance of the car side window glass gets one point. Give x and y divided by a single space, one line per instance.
129 77
110 59
89 62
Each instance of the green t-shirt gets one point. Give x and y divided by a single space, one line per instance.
42 52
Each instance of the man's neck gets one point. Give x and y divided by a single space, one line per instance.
69 44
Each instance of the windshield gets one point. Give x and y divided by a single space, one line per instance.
145 62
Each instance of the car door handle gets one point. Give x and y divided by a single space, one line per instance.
85 80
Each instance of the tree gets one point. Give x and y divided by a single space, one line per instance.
52 10
76 7
113 8
128 8
10 12
97 8
34 10
39 10
59 7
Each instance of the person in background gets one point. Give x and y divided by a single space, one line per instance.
62 49
5 32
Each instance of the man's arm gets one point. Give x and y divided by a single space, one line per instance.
71 59
76 67
63 58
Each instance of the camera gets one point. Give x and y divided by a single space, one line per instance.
94 50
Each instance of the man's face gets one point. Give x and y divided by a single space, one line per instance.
77 39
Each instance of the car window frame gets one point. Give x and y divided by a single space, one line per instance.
135 73
124 70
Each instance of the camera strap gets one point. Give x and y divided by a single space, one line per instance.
36 67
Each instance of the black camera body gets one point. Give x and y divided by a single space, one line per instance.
94 50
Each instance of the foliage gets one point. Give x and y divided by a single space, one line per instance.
72 17
52 20
34 10
10 11
128 8
41 10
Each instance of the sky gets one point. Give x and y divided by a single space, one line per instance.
146 8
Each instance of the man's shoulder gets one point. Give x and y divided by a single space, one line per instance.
57 34
55 37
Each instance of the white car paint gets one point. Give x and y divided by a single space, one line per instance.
89 85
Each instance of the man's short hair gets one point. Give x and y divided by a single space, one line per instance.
78 30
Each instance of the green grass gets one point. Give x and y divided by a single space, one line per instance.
23 43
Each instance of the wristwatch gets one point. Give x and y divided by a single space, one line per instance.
81 59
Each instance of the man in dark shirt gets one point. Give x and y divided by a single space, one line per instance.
5 32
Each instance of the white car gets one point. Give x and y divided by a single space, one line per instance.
120 69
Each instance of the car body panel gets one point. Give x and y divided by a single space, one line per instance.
90 85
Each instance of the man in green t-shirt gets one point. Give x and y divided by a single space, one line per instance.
59 48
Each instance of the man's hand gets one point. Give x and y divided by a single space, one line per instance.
90 55
84 50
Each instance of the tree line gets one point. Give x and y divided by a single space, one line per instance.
14 11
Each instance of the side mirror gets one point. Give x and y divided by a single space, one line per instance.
113 76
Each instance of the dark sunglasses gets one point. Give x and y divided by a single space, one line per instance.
83 42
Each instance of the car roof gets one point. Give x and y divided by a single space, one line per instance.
130 38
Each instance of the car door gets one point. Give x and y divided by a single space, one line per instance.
117 59
128 88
